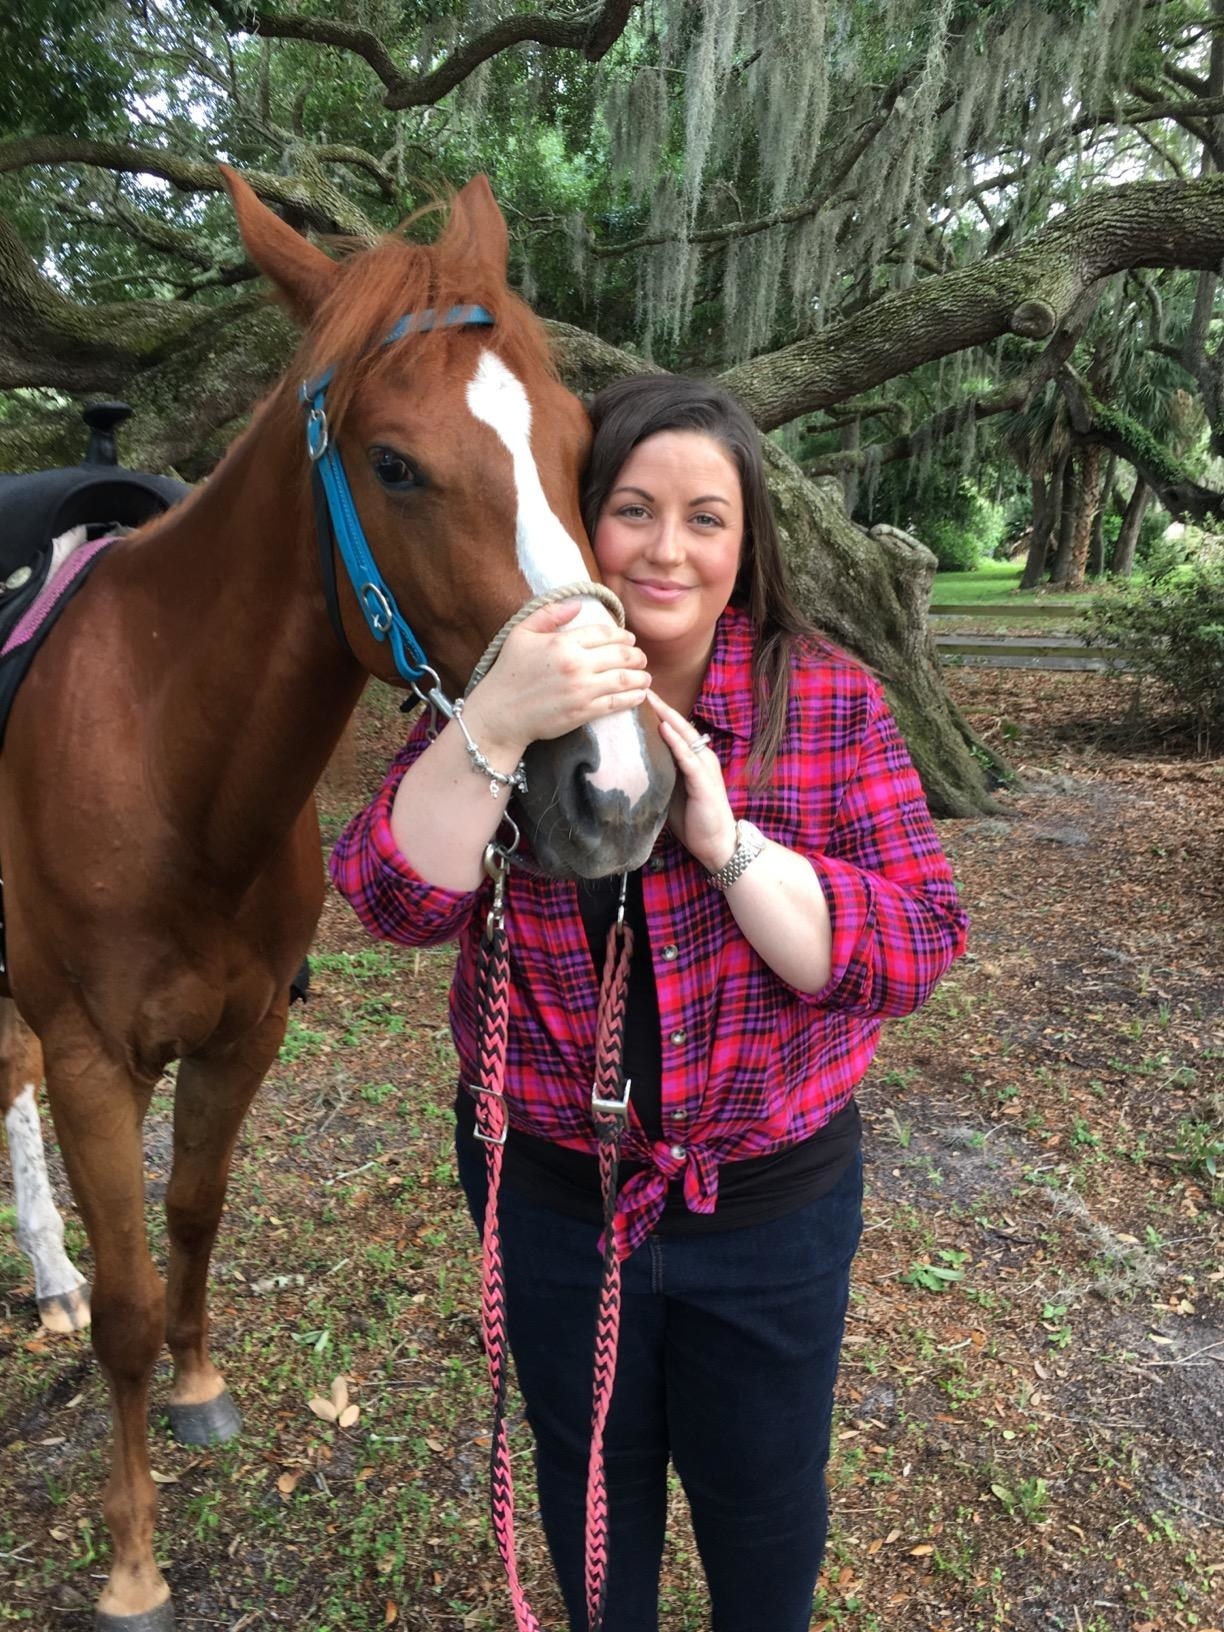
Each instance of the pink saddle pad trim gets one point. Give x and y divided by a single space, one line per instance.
36 615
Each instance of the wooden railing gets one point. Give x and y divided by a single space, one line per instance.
1046 651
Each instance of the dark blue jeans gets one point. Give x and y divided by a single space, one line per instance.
728 1355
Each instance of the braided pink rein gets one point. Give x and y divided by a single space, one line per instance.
609 1109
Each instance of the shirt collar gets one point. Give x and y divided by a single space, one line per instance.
725 700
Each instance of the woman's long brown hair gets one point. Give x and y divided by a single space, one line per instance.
628 412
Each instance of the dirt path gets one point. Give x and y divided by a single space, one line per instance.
1030 1429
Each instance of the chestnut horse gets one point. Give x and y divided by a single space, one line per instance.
161 855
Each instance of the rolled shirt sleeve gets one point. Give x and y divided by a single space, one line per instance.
896 922
388 895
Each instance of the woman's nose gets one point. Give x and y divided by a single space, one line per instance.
666 543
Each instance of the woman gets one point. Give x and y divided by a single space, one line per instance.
797 897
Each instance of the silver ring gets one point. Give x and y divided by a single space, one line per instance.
700 743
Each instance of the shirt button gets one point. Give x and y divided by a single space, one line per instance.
679 1116
670 952
679 1037
678 1153
655 864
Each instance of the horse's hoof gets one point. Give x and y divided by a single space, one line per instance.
209 1424
66 1311
160 1619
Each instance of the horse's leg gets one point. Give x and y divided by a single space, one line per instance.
98 1109
63 1298
211 1098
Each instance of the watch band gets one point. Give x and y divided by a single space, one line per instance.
749 842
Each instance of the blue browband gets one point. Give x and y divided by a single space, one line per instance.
384 618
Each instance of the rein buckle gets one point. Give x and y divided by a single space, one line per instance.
612 1107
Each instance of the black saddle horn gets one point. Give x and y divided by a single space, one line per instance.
104 419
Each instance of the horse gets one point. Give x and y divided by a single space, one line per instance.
160 849
59 1287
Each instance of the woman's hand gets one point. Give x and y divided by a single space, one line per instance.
550 677
700 815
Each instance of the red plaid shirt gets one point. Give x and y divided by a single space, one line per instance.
750 1065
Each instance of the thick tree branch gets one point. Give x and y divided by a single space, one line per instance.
47 339
593 30
312 197
1010 397
1028 291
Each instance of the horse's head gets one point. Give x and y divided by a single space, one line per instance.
463 454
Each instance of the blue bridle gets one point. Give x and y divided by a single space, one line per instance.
337 515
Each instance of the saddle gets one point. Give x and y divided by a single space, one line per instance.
96 500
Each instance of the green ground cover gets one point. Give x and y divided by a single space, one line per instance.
996 583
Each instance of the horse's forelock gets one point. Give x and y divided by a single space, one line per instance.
380 285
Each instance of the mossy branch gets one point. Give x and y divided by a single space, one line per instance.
1029 290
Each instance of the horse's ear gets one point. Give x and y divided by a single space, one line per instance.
302 273
477 225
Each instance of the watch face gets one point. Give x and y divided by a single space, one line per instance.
750 833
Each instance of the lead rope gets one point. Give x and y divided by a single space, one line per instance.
609 1107
609 1110
493 996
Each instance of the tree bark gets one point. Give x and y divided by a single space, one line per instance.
1089 498
1068 508
870 593
1045 515
1096 550
851 436
1124 550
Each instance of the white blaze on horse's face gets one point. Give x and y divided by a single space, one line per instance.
549 557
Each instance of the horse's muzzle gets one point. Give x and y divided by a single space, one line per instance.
584 819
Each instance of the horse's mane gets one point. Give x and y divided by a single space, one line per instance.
378 286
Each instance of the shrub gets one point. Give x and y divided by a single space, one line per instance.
964 529
1171 630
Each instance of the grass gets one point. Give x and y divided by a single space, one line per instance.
993 583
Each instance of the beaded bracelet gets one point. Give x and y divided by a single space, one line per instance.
516 780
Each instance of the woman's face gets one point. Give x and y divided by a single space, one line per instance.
668 542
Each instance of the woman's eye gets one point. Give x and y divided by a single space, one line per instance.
393 470
708 520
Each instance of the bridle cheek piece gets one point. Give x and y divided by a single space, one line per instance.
339 529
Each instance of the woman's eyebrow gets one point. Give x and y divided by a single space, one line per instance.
706 498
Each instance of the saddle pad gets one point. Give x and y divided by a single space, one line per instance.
35 617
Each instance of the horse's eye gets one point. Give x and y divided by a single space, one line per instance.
393 470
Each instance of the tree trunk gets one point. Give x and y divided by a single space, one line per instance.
1096 550
851 436
1085 514
1132 521
1046 494
1068 505
870 593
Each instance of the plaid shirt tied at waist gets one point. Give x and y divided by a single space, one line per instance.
750 1064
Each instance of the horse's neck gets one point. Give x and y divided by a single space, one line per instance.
253 689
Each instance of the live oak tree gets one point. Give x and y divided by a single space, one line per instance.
811 199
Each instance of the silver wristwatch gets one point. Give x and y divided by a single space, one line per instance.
749 842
